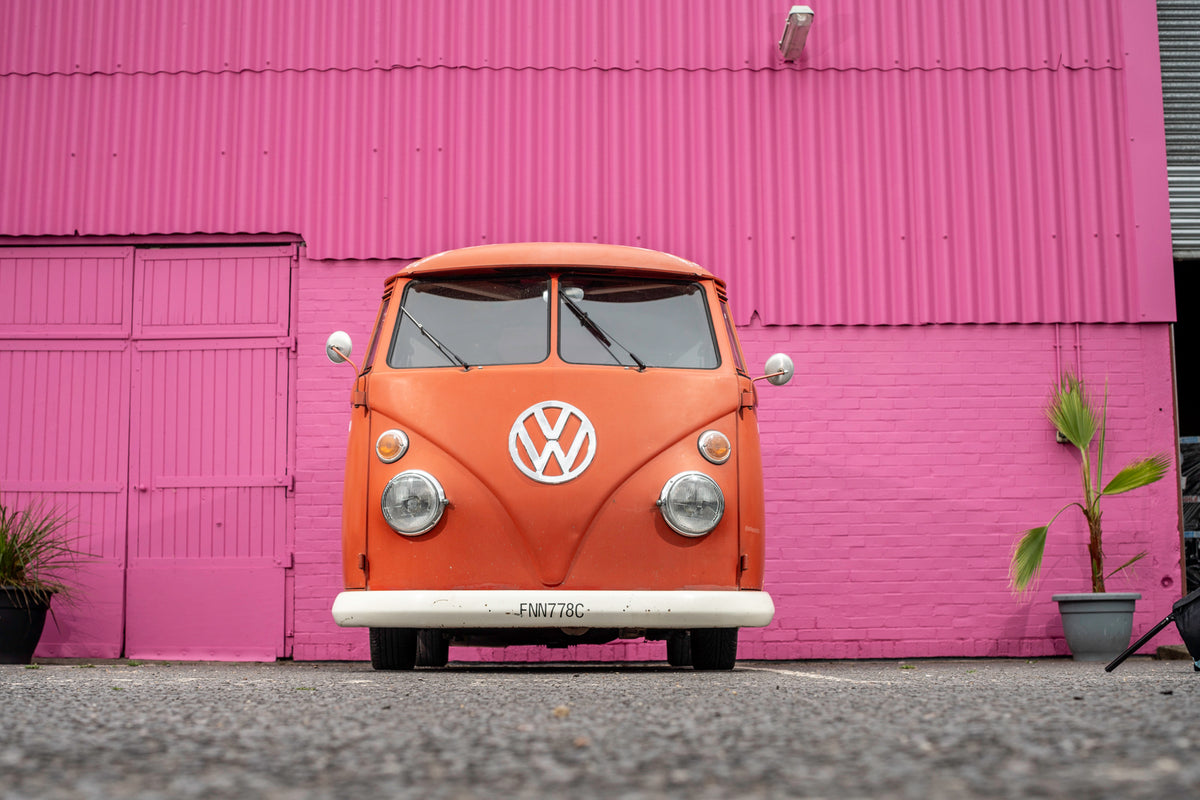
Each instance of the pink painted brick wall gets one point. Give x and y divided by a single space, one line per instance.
900 464
902 461
333 295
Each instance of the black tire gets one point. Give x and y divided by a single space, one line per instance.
393 648
679 649
433 649
714 648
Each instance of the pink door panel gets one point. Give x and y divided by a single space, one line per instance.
225 293
65 292
209 541
220 609
64 421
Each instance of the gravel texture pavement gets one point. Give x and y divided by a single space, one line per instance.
920 729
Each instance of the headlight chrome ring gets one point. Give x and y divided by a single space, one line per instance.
413 502
692 504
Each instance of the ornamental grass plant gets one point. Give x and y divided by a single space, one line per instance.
1076 418
36 551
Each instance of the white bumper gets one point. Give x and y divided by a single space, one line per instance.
553 609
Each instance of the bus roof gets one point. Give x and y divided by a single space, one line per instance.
489 257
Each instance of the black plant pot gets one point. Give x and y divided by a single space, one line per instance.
22 617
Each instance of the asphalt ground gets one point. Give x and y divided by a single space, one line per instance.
920 729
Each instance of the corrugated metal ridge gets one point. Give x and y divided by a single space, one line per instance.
986 197
248 71
44 37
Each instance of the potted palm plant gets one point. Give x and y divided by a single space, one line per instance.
35 550
1092 634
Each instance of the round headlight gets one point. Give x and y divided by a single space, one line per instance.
714 446
692 503
391 445
413 502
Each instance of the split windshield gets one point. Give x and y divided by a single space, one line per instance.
630 322
477 322
646 323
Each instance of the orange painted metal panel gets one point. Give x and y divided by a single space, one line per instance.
600 529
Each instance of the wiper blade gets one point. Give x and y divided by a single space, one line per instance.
446 351
601 336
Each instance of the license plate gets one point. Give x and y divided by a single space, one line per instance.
549 610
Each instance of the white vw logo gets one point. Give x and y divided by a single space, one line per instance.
534 458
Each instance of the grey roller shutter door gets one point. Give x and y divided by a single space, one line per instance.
1179 45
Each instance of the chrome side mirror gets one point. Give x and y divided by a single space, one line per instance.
338 347
779 370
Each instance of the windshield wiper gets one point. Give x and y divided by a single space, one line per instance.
446 351
601 336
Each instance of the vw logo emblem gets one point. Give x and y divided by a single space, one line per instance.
552 442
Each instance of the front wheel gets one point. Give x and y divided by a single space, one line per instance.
679 649
393 648
433 649
714 648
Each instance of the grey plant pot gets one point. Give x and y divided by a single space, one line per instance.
1097 626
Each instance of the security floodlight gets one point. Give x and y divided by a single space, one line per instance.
795 32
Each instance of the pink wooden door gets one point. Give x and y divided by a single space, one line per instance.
209 530
64 420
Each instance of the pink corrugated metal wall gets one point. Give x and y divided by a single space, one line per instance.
129 36
948 163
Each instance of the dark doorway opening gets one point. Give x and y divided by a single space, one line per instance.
1187 345
1187 393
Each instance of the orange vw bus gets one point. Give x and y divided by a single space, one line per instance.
553 444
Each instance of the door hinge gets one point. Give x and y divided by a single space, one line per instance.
358 398
362 563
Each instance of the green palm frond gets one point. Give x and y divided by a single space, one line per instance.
1027 558
1138 474
1128 563
35 549
1072 414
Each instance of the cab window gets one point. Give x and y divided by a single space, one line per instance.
635 322
472 322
